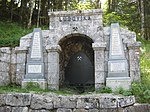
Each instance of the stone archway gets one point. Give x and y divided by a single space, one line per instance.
76 60
67 25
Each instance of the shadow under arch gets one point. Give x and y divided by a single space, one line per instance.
76 61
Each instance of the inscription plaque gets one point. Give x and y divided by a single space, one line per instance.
34 69
36 46
117 67
116 42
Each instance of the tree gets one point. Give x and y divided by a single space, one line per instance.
31 4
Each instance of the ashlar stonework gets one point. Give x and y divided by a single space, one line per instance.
70 34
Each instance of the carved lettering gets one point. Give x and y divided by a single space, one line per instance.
36 46
117 67
34 69
116 44
74 18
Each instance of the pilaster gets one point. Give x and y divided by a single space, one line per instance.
21 53
53 66
134 60
99 63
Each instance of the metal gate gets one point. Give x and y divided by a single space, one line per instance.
79 70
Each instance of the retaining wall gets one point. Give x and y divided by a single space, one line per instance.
49 102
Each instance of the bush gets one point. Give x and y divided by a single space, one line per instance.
141 92
123 91
104 90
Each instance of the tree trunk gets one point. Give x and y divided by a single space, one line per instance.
39 9
142 18
109 5
11 10
32 3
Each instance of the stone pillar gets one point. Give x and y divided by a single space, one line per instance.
99 64
134 60
21 62
53 66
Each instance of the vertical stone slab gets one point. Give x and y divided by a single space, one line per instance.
99 64
134 60
35 62
117 64
21 57
53 66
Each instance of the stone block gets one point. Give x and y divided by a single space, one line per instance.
107 102
42 110
41 83
117 82
4 67
108 110
13 58
18 99
65 102
53 86
19 109
53 67
13 73
19 77
41 102
2 100
99 66
53 78
5 109
142 107
87 103
21 68
5 57
80 110
4 78
21 57
5 50
126 101
63 110
53 57
99 77
93 110
98 85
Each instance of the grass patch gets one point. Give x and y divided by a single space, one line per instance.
104 90
10 33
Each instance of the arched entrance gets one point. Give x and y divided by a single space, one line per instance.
76 61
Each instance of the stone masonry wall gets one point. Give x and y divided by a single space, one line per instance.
27 102
6 68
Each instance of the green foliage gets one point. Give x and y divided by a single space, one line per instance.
141 91
104 90
84 6
123 91
12 88
32 85
126 14
10 33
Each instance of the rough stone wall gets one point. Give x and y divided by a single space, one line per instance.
5 62
26 102
7 65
